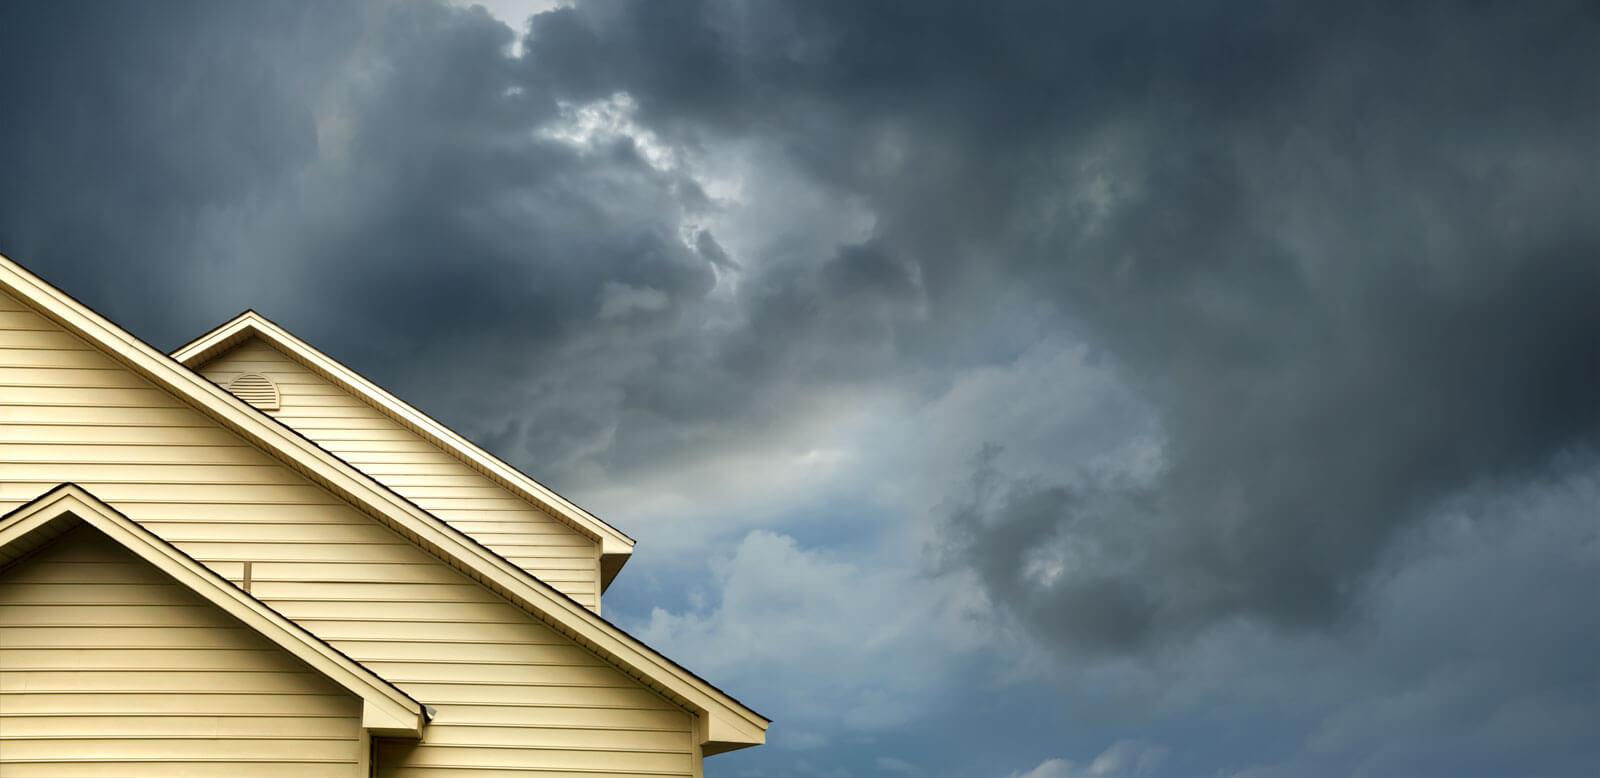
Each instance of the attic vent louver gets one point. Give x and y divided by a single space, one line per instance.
257 390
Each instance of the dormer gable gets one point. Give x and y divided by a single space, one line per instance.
408 451
69 509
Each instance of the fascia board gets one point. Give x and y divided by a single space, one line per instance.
537 598
385 710
196 353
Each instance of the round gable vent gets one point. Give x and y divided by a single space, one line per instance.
256 389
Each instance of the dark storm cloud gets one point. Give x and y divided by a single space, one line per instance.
460 212
370 175
126 123
707 245
1348 253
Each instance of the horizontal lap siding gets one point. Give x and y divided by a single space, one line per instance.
421 471
83 693
508 690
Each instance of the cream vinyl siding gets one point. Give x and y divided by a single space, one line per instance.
110 668
422 472
509 691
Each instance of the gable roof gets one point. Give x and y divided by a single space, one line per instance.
385 710
726 724
615 547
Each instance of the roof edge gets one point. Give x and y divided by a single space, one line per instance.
613 542
536 597
385 709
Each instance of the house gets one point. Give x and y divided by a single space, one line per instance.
244 559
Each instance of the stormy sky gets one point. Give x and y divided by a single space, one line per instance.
1007 390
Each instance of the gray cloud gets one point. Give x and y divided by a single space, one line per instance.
707 245
128 126
1350 265
1346 255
